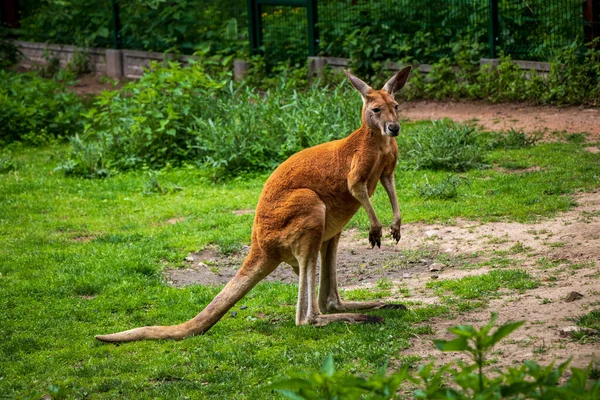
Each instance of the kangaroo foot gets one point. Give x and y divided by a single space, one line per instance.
343 306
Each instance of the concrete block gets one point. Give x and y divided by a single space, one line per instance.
316 68
240 69
114 63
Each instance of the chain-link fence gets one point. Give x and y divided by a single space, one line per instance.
178 25
410 30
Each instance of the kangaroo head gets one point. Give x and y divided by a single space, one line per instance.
380 110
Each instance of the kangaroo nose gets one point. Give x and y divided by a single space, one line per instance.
394 129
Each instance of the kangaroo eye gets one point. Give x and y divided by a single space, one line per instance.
396 107
376 110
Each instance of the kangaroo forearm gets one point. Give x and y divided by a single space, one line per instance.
390 188
360 193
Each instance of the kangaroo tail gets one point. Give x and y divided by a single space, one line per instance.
252 272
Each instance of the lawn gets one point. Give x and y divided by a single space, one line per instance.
80 257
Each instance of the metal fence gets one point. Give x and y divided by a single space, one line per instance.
412 30
426 30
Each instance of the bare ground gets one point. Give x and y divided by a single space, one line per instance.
499 117
563 253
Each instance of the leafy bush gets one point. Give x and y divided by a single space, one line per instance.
34 109
444 145
148 122
463 381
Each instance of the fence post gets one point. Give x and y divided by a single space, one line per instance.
9 14
116 25
493 27
312 13
591 14
255 25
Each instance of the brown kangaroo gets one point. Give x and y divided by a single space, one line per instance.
301 211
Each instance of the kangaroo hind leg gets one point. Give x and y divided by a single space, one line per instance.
329 296
307 309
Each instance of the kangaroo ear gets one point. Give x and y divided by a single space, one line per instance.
359 85
397 81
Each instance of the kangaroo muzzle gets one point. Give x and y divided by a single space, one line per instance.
392 129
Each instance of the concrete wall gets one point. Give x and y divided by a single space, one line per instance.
114 63
39 53
130 63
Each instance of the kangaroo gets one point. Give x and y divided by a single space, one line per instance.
303 207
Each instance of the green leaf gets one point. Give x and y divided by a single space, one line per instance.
466 331
290 394
102 32
505 330
458 344
328 368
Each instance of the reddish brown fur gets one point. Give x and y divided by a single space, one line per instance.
301 211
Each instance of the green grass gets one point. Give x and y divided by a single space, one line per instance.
590 320
80 257
485 285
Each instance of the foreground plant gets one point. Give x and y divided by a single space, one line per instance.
468 381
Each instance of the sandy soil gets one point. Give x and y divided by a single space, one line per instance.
498 117
563 253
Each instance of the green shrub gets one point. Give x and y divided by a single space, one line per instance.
444 145
149 122
35 109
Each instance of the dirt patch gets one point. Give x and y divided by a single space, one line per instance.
358 263
562 253
499 117
535 168
175 220
90 84
593 149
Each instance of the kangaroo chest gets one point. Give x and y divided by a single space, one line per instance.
384 161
